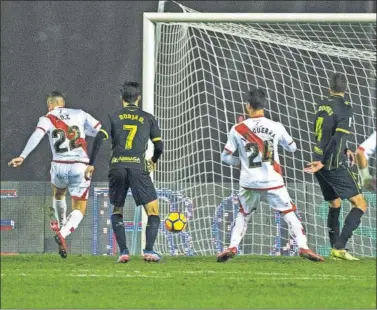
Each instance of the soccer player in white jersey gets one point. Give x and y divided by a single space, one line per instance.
363 153
66 130
256 139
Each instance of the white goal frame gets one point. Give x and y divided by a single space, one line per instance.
149 42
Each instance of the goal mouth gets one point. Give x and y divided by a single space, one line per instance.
197 67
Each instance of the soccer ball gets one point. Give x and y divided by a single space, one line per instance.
175 222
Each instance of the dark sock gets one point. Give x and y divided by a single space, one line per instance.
151 231
333 225
350 224
120 232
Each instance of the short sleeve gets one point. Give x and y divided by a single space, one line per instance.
231 144
155 134
44 124
106 126
285 138
91 125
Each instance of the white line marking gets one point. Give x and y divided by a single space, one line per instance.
262 276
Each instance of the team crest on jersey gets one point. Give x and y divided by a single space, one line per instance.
73 133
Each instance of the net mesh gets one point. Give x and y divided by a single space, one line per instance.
202 71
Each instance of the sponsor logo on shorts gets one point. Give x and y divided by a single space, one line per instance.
125 159
66 176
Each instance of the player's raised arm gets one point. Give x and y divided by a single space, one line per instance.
37 136
230 147
363 152
286 141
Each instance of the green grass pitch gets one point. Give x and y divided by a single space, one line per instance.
47 281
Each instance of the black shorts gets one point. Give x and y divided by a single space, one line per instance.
338 183
121 179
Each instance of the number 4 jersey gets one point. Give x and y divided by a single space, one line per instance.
66 130
257 140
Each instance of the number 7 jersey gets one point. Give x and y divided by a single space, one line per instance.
257 140
130 129
66 130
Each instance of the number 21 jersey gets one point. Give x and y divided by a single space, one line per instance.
66 130
256 140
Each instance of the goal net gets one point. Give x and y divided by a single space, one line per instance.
202 70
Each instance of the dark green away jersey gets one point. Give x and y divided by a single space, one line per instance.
130 129
332 126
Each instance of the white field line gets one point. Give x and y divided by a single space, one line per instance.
155 274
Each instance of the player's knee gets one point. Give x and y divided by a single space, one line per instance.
79 205
59 196
359 201
151 208
118 209
336 203
58 193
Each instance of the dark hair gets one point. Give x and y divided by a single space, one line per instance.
130 91
256 98
338 83
55 94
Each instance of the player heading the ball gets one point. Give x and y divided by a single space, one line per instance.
256 139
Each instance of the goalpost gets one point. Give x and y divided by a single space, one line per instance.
194 78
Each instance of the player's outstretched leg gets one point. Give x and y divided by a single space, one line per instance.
120 234
351 222
151 232
298 233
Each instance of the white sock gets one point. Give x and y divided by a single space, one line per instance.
73 222
296 230
239 229
60 208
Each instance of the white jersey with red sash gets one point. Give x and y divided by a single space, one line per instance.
256 140
66 130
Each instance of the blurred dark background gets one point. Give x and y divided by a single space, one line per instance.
86 49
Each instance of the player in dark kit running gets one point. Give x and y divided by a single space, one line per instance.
131 128
333 123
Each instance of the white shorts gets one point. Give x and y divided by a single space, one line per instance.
69 175
277 199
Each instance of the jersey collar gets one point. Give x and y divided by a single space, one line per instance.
131 106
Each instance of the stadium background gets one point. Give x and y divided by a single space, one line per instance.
85 50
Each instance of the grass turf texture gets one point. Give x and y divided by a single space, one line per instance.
47 281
